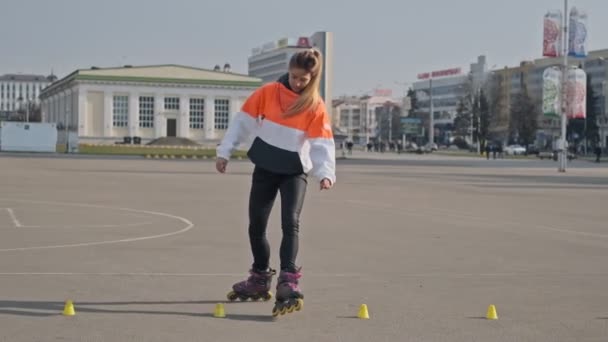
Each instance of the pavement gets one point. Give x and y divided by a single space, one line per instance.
147 248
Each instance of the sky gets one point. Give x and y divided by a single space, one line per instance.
377 44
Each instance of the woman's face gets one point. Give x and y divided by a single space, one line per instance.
298 79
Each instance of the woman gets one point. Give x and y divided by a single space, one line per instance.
292 138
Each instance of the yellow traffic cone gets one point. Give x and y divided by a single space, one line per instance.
492 312
363 313
68 309
219 311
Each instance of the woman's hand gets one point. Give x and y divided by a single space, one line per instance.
326 184
220 164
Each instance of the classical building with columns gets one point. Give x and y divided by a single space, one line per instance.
150 102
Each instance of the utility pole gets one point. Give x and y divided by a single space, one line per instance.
431 115
563 148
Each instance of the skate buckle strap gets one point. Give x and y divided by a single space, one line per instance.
290 278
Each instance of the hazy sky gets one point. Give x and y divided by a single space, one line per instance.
377 43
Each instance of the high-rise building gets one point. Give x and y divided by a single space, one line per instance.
448 88
20 90
271 60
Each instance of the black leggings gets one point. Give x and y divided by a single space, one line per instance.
264 188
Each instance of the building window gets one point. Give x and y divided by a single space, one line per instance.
120 116
146 111
197 113
171 103
222 113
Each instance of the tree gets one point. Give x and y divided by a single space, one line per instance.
465 112
473 113
497 104
413 103
524 118
397 130
592 131
482 127
389 119
462 121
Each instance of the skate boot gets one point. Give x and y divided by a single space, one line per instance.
255 287
289 296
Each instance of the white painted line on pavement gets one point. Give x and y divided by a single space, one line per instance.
188 225
11 213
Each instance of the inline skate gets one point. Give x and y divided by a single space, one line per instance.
289 297
256 286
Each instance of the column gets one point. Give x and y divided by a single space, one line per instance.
67 109
183 129
56 104
235 107
43 111
55 108
209 117
83 125
159 125
107 114
133 114
62 111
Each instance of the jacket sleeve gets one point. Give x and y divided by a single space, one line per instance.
322 147
242 125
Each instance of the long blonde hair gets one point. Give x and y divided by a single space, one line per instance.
311 61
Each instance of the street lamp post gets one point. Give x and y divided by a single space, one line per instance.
431 115
563 145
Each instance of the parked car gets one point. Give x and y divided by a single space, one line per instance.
514 150
532 149
553 155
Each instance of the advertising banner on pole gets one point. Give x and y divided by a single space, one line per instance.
577 94
577 37
552 78
552 36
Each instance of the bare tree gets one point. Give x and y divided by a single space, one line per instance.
524 118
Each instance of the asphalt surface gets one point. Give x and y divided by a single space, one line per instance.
147 248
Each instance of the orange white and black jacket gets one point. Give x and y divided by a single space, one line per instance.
301 143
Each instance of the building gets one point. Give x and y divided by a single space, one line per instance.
448 87
149 102
529 75
271 60
367 118
20 92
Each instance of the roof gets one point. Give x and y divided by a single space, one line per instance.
24 78
168 73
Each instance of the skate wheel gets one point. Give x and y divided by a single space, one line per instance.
255 298
291 309
267 296
243 298
232 296
275 311
299 304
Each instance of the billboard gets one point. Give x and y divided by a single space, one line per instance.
552 78
383 92
552 33
577 94
301 42
577 37
411 126
440 73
